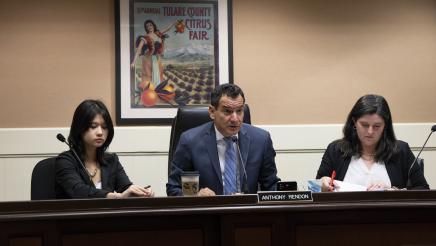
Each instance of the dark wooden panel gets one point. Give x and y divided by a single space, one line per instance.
26 241
165 230
192 237
28 232
367 234
253 229
253 236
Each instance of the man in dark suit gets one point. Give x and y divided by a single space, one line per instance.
206 149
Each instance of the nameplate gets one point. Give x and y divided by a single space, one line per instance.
284 196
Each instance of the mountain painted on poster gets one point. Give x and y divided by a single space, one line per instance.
191 53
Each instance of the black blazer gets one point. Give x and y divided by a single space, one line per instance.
397 167
73 182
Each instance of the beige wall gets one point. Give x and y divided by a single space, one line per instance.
312 59
298 61
54 54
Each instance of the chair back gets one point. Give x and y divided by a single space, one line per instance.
43 180
190 117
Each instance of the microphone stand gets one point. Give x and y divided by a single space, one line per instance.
245 181
61 138
409 182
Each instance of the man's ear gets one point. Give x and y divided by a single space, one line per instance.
212 112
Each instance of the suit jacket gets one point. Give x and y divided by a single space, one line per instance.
397 167
73 182
197 151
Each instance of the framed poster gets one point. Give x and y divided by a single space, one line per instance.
169 54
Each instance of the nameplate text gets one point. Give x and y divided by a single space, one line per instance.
284 196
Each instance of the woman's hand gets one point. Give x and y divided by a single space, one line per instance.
133 190
379 185
136 190
149 192
325 184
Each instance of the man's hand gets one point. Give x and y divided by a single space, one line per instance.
206 192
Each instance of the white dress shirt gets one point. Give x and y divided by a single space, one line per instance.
358 173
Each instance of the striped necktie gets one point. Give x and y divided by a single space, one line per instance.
230 168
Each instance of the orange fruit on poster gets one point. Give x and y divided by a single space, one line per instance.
149 98
180 26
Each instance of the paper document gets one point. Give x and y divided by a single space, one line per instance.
344 186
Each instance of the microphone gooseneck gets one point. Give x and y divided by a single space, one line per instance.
61 138
409 182
245 181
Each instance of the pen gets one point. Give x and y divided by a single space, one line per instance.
148 186
332 178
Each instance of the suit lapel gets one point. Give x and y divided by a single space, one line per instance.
83 172
390 168
244 143
104 175
211 145
342 167
85 176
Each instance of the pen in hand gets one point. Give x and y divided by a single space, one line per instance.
332 178
148 186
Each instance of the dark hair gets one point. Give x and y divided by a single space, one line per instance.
230 90
82 120
152 22
367 105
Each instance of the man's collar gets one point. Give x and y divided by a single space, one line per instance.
218 134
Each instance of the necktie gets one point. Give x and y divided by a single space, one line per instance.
230 168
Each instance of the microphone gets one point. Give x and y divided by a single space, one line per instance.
245 186
409 182
61 138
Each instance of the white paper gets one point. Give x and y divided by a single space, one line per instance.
344 186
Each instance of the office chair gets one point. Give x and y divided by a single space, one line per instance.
190 117
43 180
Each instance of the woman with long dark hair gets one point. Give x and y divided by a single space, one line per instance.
369 153
87 170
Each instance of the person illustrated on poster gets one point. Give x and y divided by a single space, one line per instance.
151 48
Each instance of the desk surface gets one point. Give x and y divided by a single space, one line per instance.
223 220
222 204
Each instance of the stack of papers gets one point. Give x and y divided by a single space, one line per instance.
344 186
314 185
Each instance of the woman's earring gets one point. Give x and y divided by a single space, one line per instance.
354 127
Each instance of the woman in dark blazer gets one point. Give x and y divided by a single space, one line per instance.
369 154
87 171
